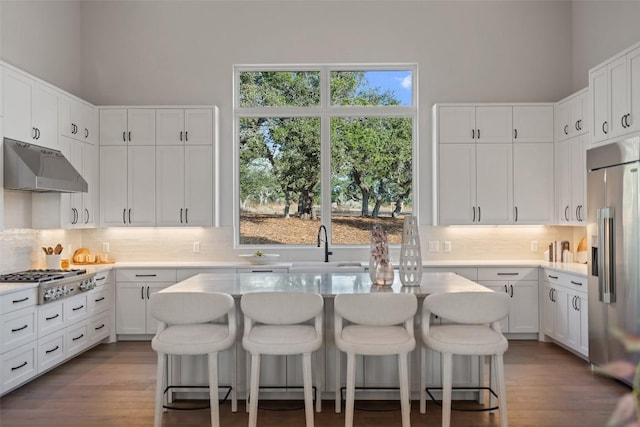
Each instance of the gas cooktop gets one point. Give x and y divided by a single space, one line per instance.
40 276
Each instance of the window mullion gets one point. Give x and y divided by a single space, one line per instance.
325 151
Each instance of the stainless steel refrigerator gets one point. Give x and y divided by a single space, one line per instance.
613 233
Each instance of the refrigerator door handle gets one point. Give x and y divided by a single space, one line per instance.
606 256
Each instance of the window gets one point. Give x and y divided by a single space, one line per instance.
326 145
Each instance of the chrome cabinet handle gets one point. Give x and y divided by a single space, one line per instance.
606 228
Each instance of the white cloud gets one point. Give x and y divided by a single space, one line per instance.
406 82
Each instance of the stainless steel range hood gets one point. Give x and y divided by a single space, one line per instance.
30 167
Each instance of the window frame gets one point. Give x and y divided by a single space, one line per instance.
325 111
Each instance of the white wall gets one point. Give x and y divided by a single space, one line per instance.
600 29
44 39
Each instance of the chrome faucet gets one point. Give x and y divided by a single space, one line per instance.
326 242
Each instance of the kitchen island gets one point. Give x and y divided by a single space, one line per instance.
281 375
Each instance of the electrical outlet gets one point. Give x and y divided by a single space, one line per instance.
434 246
105 247
447 246
534 246
196 247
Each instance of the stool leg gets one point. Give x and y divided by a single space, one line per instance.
247 380
502 390
423 380
351 389
308 393
338 383
255 378
447 360
404 390
492 381
157 418
234 379
213 389
319 375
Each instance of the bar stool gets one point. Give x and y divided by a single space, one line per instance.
378 325
475 332
185 329
275 323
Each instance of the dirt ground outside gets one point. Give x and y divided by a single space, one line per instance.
260 229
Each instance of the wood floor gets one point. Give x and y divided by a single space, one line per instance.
113 385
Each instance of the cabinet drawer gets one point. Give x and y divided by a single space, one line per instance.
51 350
18 366
50 318
265 269
185 273
17 300
99 327
572 281
76 338
470 273
99 300
17 328
508 273
104 277
146 275
75 309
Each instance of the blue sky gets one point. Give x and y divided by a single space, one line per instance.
398 82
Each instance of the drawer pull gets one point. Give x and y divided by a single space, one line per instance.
77 338
20 329
16 301
508 274
52 317
100 327
78 308
101 278
146 275
18 367
576 283
261 271
552 277
100 299
52 350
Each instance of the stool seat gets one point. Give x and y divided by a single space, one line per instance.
473 340
192 339
376 340
282 339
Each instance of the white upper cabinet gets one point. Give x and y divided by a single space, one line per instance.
78 120
571 115
615 96
532 123
496 168
132 126
31 109
177 126
478 124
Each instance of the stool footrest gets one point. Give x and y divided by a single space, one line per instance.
177 408
489 389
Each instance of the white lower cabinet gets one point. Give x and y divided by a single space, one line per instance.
565 310
51 350
521 284
18 366
134 288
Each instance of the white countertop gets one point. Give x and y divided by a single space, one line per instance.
7 288
326 284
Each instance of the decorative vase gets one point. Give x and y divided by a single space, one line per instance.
410 256
384 274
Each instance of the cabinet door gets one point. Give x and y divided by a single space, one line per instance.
573 320
548 310
560 316
198 126
561 120
71 117
633 64
583 306
585 102
619 92
494 183
70 202
457 124
88 216
533 183
18 98
578 178
131 314
113 126
45 116
494 124
533 123
457 184
170 170
89 131
523 313
599 94
141 126
113 186
141 187
169 126
575 116
198 185
562 151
